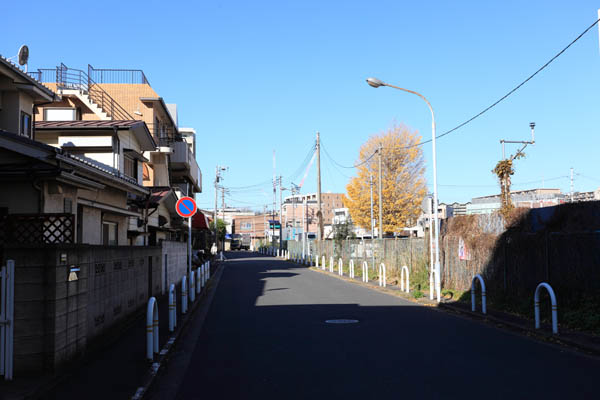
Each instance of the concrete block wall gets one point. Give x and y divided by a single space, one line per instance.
58 312
174 265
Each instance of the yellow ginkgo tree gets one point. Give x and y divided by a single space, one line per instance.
403 181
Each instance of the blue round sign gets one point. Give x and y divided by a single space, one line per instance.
186 207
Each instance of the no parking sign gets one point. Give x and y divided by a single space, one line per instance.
186 207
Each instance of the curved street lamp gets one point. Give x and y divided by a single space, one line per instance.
374 82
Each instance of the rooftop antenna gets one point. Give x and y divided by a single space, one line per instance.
23 56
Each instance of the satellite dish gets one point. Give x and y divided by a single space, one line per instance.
23 54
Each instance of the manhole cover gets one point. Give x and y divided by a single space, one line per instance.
341 321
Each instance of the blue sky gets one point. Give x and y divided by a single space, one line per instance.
253 77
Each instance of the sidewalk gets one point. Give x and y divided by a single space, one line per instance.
115 369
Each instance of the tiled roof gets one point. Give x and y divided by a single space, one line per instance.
159 194
95 124
80 159
28 77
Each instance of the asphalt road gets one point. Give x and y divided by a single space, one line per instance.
265 337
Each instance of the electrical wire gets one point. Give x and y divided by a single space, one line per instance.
510 92
501 99
344 166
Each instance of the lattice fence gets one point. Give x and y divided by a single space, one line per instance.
37 229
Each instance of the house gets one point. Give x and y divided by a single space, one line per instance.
153 151
62 196
72 191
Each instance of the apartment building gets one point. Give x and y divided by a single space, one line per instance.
90 120
300 211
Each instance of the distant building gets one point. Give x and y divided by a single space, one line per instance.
530 198
300 211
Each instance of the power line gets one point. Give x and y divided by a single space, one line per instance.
509 93
344 166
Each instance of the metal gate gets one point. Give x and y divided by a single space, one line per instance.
7 308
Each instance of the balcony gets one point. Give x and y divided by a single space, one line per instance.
184 166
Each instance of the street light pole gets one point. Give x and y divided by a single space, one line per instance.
380 194
377 83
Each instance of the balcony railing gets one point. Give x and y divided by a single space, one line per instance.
128 76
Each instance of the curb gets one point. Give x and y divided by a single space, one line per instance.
163 355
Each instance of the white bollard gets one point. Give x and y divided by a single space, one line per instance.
323 263
184 301
351 267
365 272
172 308
483 301
198 280
151 328
404 269
431 284
207 271
192 281
536 299
331 264
382 277
317 261
340 267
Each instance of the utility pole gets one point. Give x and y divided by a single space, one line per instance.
265 229
218 179
280 212
319 212
223 210
304 205
215 213
380 195
571 185
274 200
372 224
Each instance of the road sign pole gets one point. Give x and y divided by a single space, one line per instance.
189 245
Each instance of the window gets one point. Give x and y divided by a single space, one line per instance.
60 114
25 124
131 167
109 233
246 226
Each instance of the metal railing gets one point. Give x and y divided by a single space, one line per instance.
75 79
128 76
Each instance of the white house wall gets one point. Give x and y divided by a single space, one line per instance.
13 102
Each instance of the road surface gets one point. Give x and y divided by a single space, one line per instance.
265 337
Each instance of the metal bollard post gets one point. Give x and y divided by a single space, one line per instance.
536 299
404 269
483 300
198 280
151 328
365 272
184 302
172 308
351 267
340 267
331 264
192 286
382 276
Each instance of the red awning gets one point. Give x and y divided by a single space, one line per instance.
199 221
